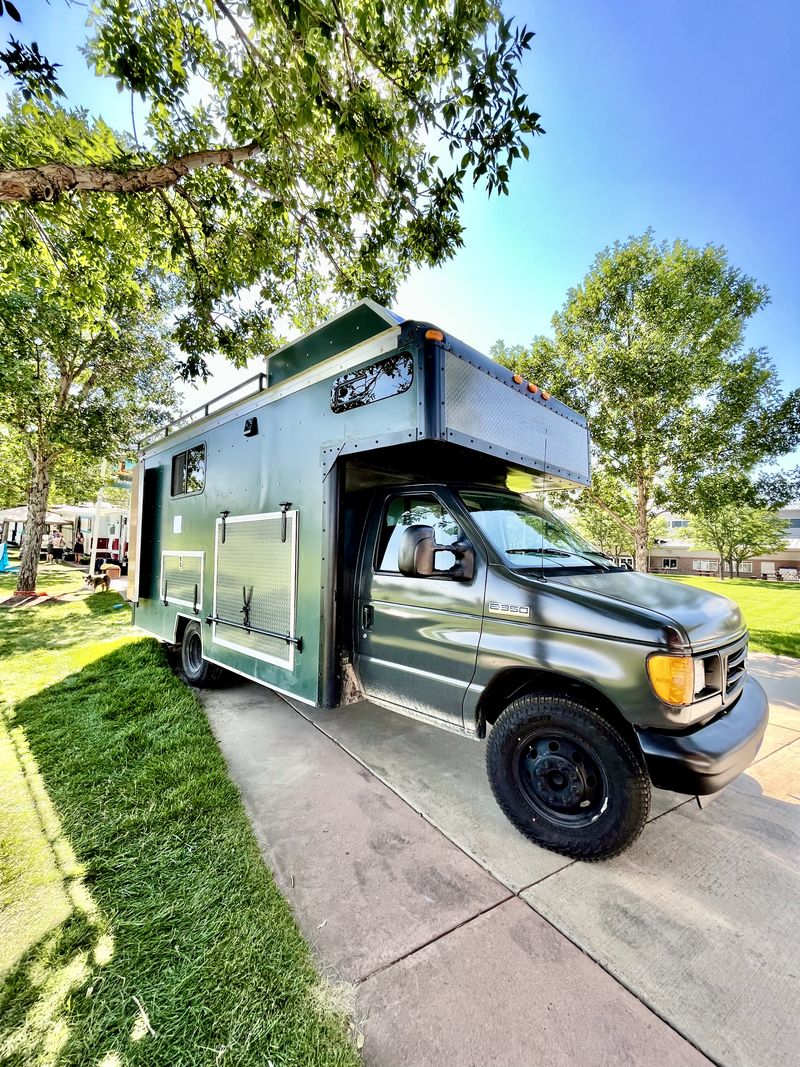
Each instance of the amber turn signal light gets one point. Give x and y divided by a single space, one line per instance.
434 335
672 678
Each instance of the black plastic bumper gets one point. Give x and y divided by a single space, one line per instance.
706 759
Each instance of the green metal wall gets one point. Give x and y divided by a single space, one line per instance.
252 476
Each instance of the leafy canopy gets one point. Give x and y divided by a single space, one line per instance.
651 348
356 125
737 533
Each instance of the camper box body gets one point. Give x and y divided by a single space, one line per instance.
239 519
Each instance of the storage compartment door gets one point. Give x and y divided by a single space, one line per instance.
255 586
182 579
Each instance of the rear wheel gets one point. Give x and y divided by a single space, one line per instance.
196 670
566 778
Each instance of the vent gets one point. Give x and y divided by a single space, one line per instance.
255 586
182 579
735 668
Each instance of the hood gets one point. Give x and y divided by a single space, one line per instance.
707 619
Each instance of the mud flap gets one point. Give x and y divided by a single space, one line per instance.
703 802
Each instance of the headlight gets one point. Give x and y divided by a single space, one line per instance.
672 678
699 676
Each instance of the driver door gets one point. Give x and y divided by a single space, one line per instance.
417 638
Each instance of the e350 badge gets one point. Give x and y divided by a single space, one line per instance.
520 610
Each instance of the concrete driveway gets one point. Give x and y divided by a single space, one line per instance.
463 938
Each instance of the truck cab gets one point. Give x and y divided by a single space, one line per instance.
476 608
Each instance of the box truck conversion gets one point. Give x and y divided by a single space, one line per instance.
358 522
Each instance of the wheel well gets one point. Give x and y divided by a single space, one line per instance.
517 681
181 622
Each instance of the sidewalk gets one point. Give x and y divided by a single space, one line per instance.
450 964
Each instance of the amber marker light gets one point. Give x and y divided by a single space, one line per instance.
434 335
518 379
533 388
545 394
672 678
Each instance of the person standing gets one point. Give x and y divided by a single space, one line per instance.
58 545
78 548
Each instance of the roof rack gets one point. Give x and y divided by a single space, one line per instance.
258 383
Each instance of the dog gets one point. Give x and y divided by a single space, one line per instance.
97 582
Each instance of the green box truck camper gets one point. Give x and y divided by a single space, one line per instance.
359 522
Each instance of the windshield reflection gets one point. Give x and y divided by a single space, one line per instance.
527 535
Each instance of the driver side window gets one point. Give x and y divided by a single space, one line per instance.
404 511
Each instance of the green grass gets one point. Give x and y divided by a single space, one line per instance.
771 610
132 891
53 578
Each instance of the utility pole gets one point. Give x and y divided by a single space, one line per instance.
97 513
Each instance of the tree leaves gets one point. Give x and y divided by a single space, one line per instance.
650 348
369 117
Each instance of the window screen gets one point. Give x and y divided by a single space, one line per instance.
189 471
404 511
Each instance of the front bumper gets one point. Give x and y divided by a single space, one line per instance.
706 759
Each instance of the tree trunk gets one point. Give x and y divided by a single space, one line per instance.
721 567
34 527
642 530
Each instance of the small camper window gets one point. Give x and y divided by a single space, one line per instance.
378 381
189 471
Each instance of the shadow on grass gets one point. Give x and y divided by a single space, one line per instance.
179 948
40 626
778 642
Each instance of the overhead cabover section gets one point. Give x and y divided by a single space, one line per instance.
485 407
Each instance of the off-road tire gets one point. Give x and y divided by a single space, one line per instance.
196 670
517 751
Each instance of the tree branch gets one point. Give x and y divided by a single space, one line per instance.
596 500
47 183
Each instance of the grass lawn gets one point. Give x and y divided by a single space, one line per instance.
53 578
771 610
138 923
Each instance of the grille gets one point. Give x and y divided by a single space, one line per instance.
254 585
484 408
182 578
734 662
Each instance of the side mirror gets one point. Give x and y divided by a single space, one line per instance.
417 554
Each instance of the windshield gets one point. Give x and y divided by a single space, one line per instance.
528 536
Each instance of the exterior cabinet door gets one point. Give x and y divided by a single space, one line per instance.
417 638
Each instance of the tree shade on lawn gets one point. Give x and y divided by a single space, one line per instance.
771 610
149 930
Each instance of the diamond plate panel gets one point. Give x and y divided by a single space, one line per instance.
487 410
180 573
254 564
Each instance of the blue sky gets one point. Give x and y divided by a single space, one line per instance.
680 115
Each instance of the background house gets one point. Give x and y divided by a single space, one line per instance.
674 555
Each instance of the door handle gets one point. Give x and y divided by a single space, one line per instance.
367 617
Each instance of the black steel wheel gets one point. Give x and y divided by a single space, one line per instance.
566 778
196 670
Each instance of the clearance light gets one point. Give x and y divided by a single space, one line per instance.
533 388
434 335
545 394
672 678
518 379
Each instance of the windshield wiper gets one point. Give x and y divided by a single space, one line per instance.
560 552
537 552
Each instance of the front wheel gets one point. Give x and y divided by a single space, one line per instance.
196 670
566 778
